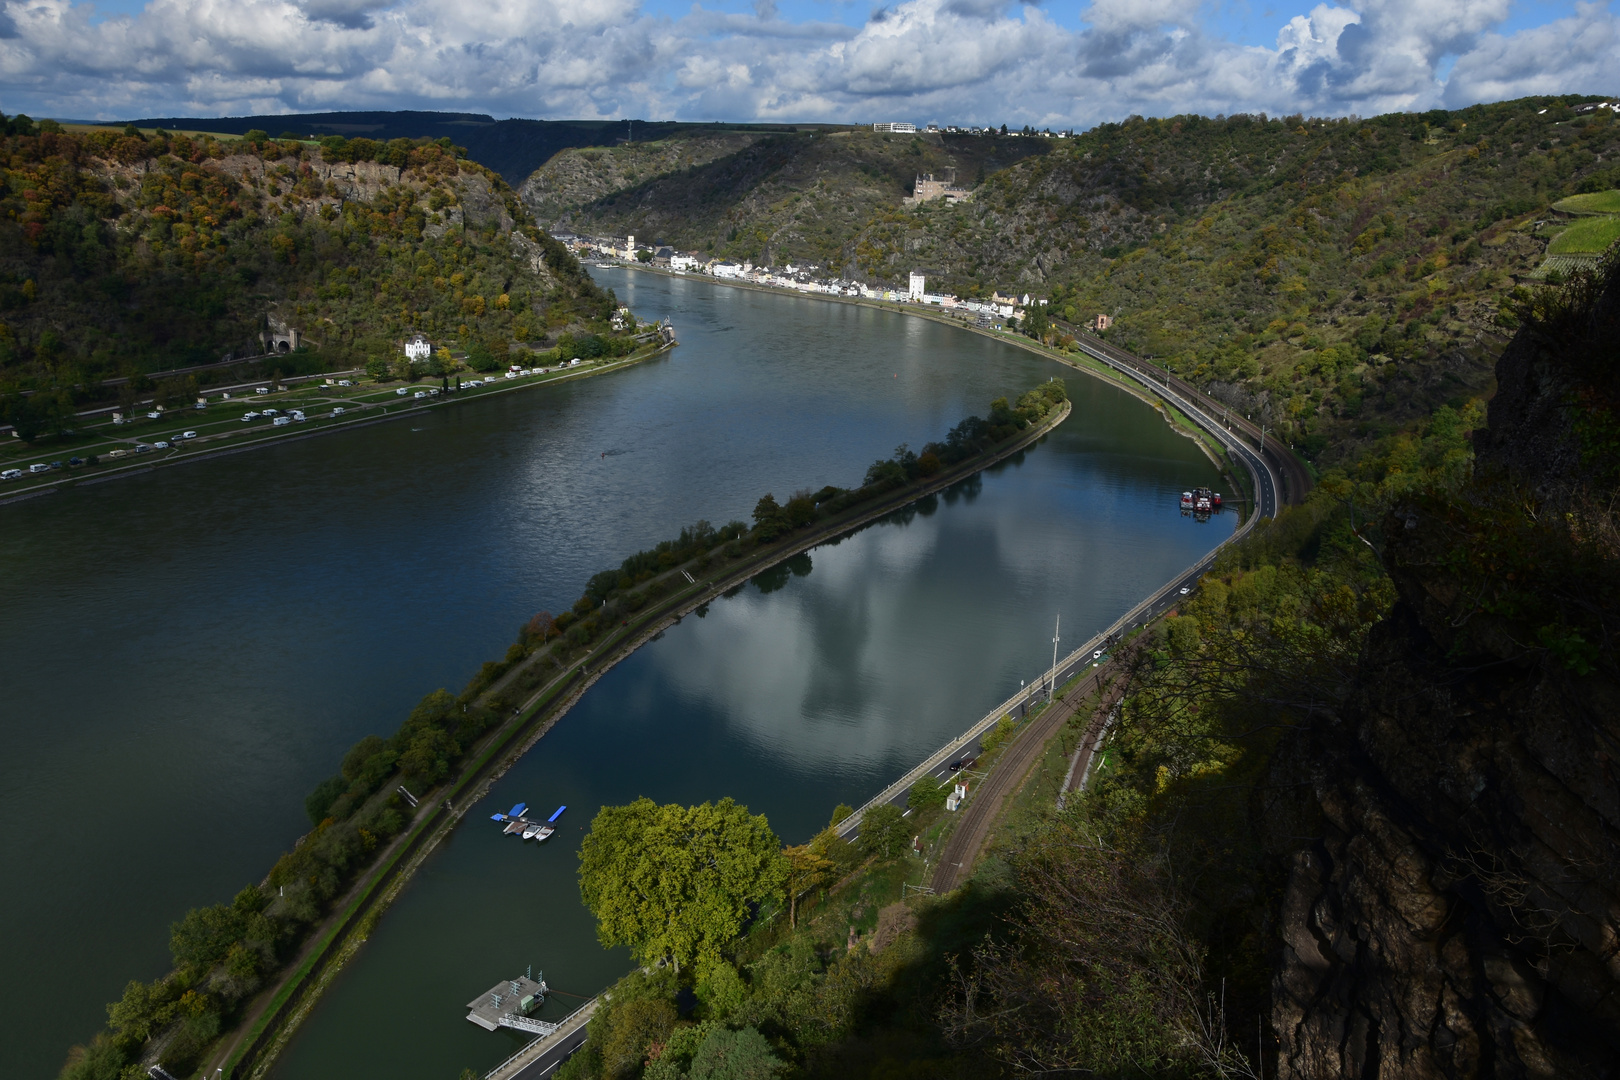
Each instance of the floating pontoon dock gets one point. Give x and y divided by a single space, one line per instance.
508 1004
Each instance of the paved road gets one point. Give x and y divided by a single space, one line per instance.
552 1057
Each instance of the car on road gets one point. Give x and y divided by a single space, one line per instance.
281 421
1185 589
11 474
75 461
188 434
56 464
419 394
1096 654
142 448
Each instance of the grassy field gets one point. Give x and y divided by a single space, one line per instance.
1589 236
1596 202
81 129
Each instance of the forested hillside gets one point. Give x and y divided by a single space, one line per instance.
122 254
1340 278
785 198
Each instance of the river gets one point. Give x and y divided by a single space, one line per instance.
188 652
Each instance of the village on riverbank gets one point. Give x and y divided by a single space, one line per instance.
995 312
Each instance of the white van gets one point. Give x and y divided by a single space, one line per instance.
338 411
10 474
40 467
261 390
281 421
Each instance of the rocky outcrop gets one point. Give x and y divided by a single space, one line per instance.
481 206
1458 911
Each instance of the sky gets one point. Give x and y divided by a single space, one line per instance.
1056 63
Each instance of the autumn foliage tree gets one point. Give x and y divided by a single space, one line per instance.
678 882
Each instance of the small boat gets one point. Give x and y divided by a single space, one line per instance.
545 831
515 825
528 833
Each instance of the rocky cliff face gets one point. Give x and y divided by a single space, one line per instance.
1458 911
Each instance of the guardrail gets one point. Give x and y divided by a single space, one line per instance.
530 1050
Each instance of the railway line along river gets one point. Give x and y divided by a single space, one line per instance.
187 653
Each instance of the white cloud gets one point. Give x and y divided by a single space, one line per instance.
986 61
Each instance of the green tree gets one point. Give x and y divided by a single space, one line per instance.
677 882
883 831
769 518
807 868
925 793
735 1055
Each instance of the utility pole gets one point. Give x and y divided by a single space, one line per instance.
1051 687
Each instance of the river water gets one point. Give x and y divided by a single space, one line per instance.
187 653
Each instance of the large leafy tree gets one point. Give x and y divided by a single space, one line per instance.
678 882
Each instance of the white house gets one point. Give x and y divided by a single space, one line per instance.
896 127
418 348
683 262
917 282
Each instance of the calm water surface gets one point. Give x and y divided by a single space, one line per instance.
185 654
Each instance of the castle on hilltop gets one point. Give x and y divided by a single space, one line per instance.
927 188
